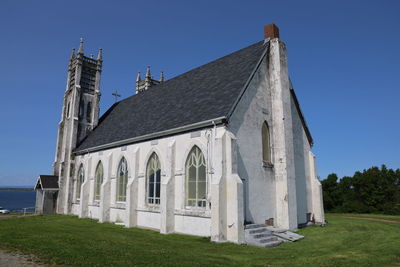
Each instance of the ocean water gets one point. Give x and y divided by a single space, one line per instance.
17 200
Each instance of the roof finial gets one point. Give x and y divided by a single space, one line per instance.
116 95
100 54
138 79
148 75
80 51
73 53
162 76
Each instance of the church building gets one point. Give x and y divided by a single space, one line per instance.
210 152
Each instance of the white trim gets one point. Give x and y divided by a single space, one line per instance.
157 151
99 163
123 155
189 148
203 213
78 180
38 181
148 158
149 210
185 185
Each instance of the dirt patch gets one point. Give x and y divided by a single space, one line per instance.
12 259
369 219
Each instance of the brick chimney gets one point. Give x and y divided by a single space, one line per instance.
271 31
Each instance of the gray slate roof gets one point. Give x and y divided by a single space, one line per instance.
47 182
204 93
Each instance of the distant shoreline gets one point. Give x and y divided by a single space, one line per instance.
15 189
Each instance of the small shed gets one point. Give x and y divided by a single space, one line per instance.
46 194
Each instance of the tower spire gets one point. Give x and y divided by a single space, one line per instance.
72 53
148 75
80 51
100 55
79 116
143 85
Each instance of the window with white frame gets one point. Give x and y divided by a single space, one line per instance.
122 180
266 144
196 179
79 181
98 180
153 175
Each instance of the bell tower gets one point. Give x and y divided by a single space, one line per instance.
80 114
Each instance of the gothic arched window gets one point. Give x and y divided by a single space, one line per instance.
153 175
79 181
122 180
196 179
266 145
88 111
98 180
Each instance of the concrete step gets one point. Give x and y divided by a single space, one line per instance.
265 234
272 244
288 236
258 230
268 239
252 226
275 230
268 236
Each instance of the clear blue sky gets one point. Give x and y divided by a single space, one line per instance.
344 61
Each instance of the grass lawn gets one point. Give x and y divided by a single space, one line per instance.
67 240
375 216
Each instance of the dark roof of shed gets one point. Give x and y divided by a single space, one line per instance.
47 182
202 94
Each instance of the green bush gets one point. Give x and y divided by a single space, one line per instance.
375 190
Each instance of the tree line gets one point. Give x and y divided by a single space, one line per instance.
375 190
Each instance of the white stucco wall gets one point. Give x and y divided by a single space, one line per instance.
94 212
316 203
186 219
192 225
224 202
39 201
117 215
282 191
245 123
75 208
148 219
301 148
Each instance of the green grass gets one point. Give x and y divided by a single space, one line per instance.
375 216
67 240
16 213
